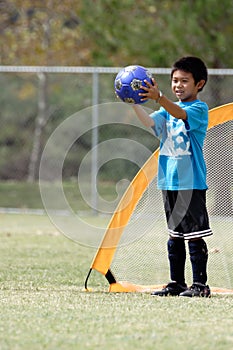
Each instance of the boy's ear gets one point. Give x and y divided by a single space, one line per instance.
200 84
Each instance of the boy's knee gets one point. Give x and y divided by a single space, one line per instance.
198 248
176 246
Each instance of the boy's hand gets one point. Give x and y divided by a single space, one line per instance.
151 91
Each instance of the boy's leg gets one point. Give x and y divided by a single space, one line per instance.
196 226
198 255
177 257
175 247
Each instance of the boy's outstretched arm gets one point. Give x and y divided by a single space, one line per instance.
143 116
172 108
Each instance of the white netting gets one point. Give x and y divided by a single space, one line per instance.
141 256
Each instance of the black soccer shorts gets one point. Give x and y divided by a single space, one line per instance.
186 214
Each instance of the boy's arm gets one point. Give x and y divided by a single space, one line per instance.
172 108
143 116
152 92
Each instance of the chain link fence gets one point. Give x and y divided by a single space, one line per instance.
36 100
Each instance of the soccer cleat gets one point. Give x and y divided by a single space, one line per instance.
172 288
197 290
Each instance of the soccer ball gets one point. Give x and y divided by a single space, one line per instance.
128 81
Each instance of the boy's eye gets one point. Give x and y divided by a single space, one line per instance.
175 81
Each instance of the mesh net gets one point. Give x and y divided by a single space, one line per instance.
141 256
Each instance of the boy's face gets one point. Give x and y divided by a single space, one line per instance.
183 86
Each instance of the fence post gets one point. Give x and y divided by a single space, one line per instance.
95 117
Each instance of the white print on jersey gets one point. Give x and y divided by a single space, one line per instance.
177 142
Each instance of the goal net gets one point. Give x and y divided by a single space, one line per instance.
133 254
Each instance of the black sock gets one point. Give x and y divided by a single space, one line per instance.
177 257
198 255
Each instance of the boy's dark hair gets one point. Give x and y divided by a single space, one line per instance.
193 65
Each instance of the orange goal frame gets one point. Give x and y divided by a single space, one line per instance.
120 218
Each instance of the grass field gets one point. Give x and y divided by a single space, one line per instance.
43 305
27 195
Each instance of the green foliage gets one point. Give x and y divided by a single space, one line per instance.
42 32
155 33
97 33
152 33
24 195
18 111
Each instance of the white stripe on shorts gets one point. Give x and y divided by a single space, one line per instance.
190 235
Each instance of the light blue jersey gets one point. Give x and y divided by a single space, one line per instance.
181 162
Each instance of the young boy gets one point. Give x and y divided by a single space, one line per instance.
182 127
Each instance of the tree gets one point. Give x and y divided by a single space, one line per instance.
155 33
41 32
110 32
44 33
113 32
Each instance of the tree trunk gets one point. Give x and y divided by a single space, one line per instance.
40 122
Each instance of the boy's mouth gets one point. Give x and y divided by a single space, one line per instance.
179 92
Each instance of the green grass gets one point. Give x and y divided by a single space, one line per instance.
43 305
20 195
16 194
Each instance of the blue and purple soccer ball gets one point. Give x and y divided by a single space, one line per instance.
128 81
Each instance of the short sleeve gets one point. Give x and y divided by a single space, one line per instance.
197 116
159 118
